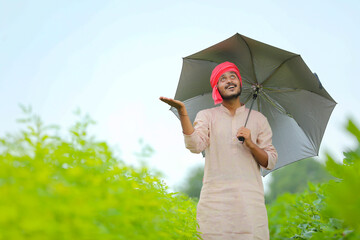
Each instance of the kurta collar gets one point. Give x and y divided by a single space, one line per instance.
238 110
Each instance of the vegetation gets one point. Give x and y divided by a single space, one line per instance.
290 179
295 177
52 187
325 211
73 187
193 183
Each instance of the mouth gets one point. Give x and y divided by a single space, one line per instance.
232 86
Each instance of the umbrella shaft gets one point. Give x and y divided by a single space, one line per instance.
242 139
247 118
251 106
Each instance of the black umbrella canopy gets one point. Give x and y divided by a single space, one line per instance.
290 95
259 63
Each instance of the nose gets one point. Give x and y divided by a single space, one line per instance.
228 79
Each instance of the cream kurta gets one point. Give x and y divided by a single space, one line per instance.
231 204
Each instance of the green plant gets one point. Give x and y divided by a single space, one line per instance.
193 182
324 211
300 216
343 199
57 188
295 177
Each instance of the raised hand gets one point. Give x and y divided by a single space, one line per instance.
184 118
180 106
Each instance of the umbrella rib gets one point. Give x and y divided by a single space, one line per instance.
286 90
283 110
247 81
269 89
248 98
252 58
290 58
266 97
247 88
277 106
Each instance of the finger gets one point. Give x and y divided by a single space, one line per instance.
171 102
240 134
165 99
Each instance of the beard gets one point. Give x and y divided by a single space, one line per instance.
232 96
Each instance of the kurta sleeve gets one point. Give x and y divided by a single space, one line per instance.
198 141
264 141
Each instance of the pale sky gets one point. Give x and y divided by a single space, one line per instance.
113 59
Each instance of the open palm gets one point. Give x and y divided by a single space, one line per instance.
172 102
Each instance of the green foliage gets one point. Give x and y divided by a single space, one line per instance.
193 183
295 177
343 197
291 179
300 216
57 188
324 211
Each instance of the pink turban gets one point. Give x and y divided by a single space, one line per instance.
216 74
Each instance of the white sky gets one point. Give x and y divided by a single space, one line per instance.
113 59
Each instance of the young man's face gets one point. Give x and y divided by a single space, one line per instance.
229 86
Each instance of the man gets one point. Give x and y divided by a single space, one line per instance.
231 204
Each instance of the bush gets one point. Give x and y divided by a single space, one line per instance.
324 211
57 188
294 178
343 199
193 182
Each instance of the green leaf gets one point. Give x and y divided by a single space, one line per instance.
335 223
353 129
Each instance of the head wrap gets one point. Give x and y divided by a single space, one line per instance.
216 74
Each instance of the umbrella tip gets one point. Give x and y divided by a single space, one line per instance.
317 77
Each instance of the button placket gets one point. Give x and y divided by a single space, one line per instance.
234 131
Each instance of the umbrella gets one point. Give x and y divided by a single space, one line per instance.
288 93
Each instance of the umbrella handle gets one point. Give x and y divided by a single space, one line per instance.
241 139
